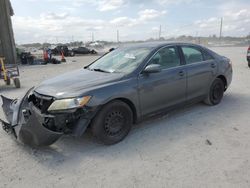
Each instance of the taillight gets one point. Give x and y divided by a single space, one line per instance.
248 49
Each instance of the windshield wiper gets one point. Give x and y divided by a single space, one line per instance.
100 70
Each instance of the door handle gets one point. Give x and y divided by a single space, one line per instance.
181 73
213 65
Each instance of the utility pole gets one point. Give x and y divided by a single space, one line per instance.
118 37
196 37
221 24
93 38
160 32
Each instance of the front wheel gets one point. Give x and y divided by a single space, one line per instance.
216 92
113 123
249 64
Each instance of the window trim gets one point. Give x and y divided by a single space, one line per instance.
168 46
203 51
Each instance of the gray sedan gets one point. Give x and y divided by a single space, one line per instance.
116 91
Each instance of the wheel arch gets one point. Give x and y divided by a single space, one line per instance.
223 78
129 103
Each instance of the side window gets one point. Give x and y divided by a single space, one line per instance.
192 55
207 56
167 57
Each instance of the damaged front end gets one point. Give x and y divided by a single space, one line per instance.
30 122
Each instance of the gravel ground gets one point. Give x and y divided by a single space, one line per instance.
197 146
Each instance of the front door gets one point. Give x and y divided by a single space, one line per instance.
166 88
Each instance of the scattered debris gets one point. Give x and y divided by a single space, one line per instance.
63 58
236 129
58 50
208 142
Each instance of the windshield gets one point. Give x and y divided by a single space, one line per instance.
123 60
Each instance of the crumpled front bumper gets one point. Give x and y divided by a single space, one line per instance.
25 121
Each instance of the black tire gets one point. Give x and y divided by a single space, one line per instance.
216 92
7 81
113 123
17 82
93 52
72 54
249 64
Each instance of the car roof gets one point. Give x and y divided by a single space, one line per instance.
157 44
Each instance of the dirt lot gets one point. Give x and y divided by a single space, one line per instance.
171 151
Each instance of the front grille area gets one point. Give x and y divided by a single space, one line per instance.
42 102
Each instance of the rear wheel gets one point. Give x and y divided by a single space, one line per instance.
216 92
113 123
7 81
93 52
249 64
17 82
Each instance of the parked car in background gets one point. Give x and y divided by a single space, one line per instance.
117 90
26 58
59 49
248 56
83 50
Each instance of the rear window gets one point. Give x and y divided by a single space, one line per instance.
192 55
207 56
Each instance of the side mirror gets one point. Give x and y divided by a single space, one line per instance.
153 68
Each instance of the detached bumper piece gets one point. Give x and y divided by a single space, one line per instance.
8 115
26 122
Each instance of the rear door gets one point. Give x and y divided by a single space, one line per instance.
201 69
165 88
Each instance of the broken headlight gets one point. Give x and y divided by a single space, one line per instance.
68 104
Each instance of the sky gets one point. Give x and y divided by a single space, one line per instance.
78 20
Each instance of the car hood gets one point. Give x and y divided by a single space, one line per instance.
75 83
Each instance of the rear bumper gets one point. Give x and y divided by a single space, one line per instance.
30 126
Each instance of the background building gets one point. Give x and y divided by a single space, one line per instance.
7 42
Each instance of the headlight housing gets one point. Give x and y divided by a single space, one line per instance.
69 104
